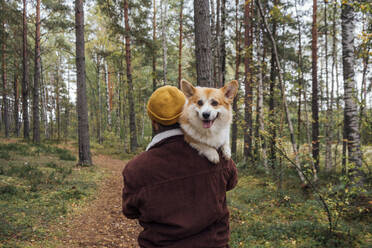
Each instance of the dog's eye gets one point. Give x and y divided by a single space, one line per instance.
200 103
214 103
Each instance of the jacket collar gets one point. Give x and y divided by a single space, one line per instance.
162 136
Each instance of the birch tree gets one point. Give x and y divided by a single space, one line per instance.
351 120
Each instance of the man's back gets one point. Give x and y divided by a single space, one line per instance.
178 196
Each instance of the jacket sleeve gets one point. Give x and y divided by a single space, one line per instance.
232 176
130 199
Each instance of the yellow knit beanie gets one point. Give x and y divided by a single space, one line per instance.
165 105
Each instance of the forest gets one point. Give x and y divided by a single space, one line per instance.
76 77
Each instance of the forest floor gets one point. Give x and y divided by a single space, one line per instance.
101 223
48 201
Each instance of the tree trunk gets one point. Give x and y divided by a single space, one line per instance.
329 121
154 50
248 98
35 107
132 114
108 95
164 18
284 99
217 46
82 108
272 100
5 94
315 105
213 41
203 43
26 128
234 128
180 47
351 120
44 101
223 45
16 104
99 109
260 128
58 108
300 78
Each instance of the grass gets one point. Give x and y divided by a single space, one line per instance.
39 186
263 216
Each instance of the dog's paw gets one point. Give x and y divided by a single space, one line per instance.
212 155
226 152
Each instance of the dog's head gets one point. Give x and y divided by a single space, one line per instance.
209 107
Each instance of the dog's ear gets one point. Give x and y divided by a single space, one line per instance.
231 89
187 88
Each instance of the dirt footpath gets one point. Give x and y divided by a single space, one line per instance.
102 223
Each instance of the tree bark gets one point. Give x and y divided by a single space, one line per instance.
203 43
272 99
26 128
248 98
164 18
351 120
329 120
82 108
223 45
217 46
234 127
16 104
315 105
58 107
132 114
154 52
5 90
260 127
300 77
180 46
35 107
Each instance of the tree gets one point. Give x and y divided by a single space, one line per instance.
351 120
272 98
248 98
132 114
5 97
234 128
203 43
26 128
329 119
180 46
315 105
221 82
82 108
154 48
296 163
36 118
164 18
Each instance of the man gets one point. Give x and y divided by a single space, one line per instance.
178 196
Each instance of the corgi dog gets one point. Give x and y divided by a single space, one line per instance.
206 118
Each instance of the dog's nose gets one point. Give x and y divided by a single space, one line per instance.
206 115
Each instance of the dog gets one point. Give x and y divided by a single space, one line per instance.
206 118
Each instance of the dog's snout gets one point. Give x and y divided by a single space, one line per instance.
206 115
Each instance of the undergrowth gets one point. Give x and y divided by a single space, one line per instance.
39 185
265 213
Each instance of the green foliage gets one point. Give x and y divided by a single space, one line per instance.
264 216
38 187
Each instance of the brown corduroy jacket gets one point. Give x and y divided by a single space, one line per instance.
178 196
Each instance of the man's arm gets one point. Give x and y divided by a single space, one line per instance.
233 175
130 209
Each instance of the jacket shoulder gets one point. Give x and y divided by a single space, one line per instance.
134 170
